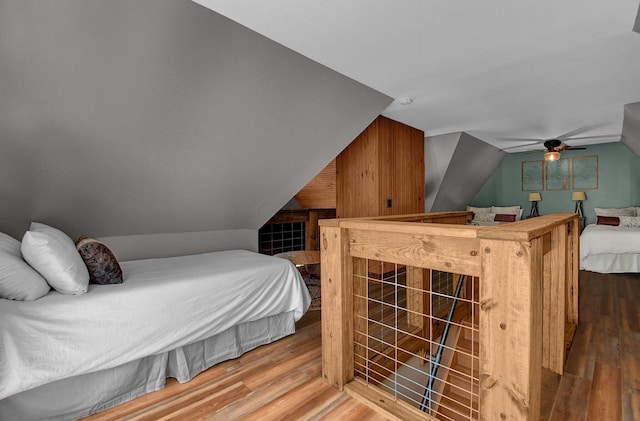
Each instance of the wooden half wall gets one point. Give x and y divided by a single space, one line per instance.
528 274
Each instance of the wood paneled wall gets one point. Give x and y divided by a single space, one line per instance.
320 193
385 162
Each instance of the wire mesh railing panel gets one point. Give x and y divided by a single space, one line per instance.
416 336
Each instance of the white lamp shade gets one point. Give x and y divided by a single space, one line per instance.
534 197
578 195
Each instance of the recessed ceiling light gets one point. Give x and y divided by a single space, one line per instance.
405 101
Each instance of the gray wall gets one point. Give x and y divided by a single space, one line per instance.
139 117
456 167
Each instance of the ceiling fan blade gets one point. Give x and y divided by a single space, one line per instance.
520 139
582 129
521 146
602 136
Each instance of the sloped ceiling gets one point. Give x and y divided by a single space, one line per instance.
631 127
126 117
456 167
509 73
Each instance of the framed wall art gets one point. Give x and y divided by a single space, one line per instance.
532 175
584 172
558 175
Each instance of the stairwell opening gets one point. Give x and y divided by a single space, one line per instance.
416 336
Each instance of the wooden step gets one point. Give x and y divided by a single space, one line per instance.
469 331
461 388
466 362
452 410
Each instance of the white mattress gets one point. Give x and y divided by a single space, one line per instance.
609 249
163 304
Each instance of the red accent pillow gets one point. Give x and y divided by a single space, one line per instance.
505 217
608 220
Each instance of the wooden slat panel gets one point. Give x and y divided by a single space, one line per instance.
386 165
320 193
357 191
433 252
386 161
408 164
510 330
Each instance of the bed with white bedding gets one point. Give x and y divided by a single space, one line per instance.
67 356
610 249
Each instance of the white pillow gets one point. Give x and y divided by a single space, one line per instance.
18 280
630 211
508 210
52 253
484 217
630 221
638 211
479 210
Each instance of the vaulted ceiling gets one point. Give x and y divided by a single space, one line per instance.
509 73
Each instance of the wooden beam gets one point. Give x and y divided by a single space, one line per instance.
312 231
427 251
528 229
394 409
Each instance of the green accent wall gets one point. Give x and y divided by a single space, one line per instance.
618 183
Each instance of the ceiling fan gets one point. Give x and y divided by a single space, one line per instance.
554 146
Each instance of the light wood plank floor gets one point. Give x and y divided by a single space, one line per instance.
282 381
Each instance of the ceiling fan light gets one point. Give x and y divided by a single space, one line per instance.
552 156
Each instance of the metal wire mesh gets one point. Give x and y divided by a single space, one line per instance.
279 238
400 314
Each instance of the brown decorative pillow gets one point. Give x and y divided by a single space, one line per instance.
608 220
505 217
102 264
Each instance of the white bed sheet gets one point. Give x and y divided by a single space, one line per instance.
162 305
607 239
610 249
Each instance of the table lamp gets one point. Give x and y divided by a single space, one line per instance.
534 198
578 197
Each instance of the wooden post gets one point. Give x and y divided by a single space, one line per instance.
361 316
510 329
337 304
573 265
311 231
553 318
418 305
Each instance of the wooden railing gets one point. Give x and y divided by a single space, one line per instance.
528 298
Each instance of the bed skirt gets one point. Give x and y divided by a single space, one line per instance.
76 397
611 263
